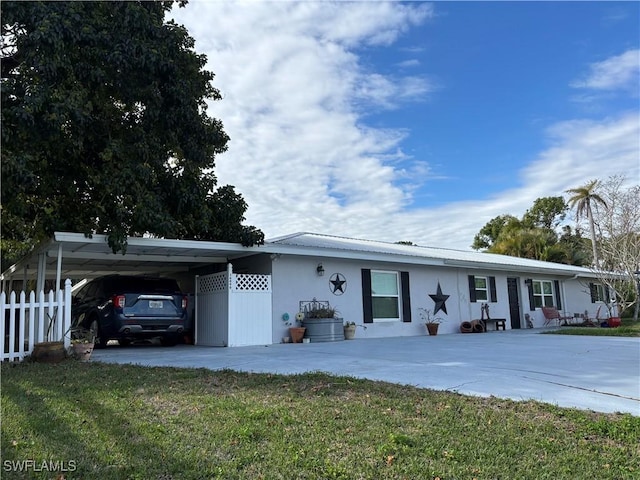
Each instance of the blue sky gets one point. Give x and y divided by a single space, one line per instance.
418 121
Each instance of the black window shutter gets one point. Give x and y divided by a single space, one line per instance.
367 305
492 287
607 295
406 297
532 302
556 286
472 289
594 292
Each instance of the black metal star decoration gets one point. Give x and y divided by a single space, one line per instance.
440 300
338 283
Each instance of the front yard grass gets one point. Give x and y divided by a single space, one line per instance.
133 422
628 328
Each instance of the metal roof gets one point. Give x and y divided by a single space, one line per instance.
90 257
393 252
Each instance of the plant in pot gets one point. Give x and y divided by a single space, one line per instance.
322 321
49 351
430 320
350 330
297 332
82 343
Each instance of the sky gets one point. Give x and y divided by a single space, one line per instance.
413 121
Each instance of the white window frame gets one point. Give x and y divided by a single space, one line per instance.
543 299
480 290
600 296
397 296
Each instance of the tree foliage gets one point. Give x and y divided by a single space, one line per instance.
616 220
534 235
584 199
105 127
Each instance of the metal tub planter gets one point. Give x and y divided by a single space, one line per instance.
321 322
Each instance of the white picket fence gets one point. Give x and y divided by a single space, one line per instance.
25 323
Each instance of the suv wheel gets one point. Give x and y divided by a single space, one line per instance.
94 328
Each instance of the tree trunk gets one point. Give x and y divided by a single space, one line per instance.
637 305
593 235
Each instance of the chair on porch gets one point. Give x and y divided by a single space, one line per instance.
551 314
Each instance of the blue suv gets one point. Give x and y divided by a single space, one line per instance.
127 308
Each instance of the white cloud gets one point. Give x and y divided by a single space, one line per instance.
409 63
295 92
619 72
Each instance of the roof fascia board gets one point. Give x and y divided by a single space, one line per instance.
300 250
99 239
519 268
139 257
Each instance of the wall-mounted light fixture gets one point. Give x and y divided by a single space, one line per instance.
320 270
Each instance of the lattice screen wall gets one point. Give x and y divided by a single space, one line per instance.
213 283
251 283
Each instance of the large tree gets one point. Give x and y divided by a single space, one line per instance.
584 198
534 236
617 228
105 127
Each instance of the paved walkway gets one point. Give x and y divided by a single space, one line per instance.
595 373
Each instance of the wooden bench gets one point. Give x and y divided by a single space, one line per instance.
551 314
501 323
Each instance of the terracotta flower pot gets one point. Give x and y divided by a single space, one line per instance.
296 334
48 352
432 328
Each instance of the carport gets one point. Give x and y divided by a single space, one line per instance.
75 256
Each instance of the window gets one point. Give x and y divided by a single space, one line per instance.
542 293
385 295
482 289
598 293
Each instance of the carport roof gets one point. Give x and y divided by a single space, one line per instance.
91 257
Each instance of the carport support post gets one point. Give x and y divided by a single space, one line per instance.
194 323
59 268
42 270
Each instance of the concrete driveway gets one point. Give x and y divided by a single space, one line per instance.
595 373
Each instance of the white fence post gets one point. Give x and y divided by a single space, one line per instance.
21 327
3 298
66 316
12 325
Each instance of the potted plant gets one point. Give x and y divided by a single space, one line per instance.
350 330
321 320
82 344
297 332
430 320
49 351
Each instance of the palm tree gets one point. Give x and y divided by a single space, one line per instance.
583 198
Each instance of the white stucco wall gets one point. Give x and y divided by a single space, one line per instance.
295 279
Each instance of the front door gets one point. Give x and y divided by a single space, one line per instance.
514 302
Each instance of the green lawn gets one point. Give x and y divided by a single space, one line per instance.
629 328
132 422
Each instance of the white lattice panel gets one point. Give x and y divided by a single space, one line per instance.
213 283
251 283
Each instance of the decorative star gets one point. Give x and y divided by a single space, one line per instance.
338 283
440 300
